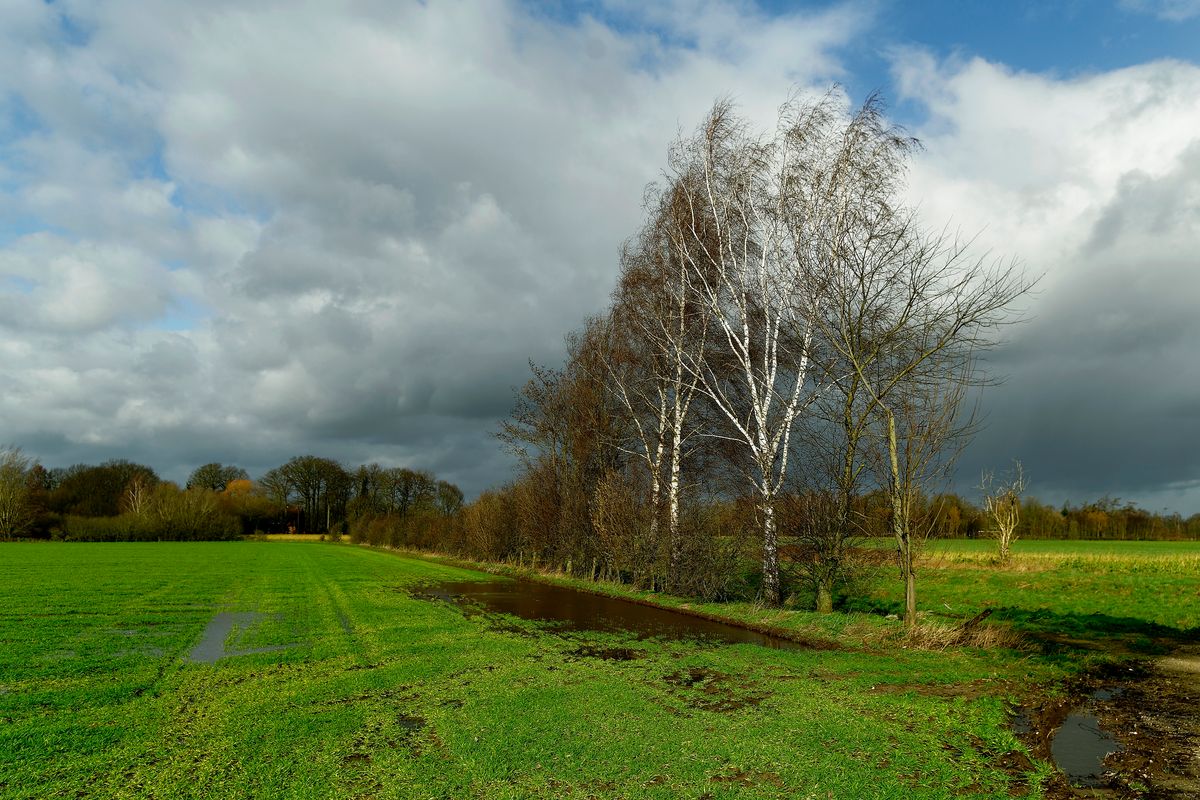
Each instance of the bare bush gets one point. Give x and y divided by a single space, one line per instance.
1002 499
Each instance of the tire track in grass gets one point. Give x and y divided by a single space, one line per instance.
333 612
341 611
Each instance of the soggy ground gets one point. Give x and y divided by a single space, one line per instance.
225 628
1129 729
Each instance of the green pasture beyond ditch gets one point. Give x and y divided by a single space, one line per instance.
1129 590
370 692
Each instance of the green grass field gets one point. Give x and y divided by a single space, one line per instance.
1144 590
377 694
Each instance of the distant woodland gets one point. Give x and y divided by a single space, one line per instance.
399 507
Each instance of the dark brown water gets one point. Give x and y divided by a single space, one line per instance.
572 610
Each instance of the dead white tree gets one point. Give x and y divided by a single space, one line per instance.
1002 500
137 496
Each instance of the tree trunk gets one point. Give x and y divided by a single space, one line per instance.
678 413
676 551
655 500
824 596
900 525
770 555
910 597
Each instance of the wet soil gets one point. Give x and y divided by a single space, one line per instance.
608 653
1129 729
710 690
211 647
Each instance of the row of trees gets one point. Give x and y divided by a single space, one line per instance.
782 328
122 500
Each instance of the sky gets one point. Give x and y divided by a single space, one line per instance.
243 231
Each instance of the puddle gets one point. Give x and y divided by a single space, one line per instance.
212 644
1080 746
572 610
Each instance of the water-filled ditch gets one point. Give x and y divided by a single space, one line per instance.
572 610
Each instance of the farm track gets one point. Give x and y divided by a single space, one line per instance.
1154 715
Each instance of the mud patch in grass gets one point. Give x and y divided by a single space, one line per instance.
608 653
710 690
747 777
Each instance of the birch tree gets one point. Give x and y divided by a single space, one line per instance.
855 237
898 316
746 236
656 333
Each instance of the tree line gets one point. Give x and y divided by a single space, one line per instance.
120 500
1106 519
784 342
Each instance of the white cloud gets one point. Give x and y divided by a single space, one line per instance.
1172 10
369 217
1095 183
381 211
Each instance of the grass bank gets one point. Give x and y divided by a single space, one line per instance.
1137 596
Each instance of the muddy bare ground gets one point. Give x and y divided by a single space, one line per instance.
1150 707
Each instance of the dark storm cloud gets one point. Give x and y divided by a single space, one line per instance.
1101 388
374 216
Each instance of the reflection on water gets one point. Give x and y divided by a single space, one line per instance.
211 647
573 610
1080 745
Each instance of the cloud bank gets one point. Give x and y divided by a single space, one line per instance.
240 232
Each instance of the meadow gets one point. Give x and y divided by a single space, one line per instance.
1094 589
337 681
